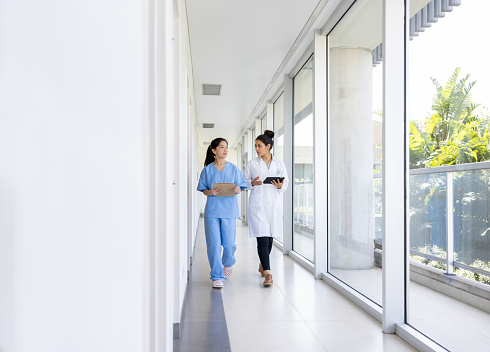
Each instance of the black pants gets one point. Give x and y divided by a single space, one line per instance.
264 247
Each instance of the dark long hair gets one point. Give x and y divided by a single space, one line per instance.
209 154
266 138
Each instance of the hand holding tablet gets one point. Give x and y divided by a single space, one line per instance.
276 178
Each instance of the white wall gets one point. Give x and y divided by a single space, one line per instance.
185 139
181 154
72 176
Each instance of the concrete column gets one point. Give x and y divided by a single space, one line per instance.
351 159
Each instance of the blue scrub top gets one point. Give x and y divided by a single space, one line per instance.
221 207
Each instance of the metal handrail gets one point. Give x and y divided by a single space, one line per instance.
456 263
472 269
427 256
482 165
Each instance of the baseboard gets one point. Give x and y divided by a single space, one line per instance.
416 339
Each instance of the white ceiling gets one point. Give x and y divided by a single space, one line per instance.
239 44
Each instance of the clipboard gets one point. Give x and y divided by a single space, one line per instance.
227 189
269 179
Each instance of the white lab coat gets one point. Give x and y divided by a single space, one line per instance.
265 214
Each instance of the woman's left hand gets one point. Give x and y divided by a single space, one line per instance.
237 189
277 184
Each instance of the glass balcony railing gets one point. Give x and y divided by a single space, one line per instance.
449 218
303 218
303 206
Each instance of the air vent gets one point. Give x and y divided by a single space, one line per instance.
208 125
211 89
206 143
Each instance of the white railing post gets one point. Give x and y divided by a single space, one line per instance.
449 224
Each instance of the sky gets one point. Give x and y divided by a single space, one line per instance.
459 39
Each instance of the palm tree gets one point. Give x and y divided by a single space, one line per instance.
454 133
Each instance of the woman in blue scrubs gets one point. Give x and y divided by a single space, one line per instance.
221 212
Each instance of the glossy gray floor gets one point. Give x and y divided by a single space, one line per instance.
298 313
204 323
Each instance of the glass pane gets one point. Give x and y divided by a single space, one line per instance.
278 149
355 140
278 121
428 218
263 124
303 219
472 223
448 94
378 216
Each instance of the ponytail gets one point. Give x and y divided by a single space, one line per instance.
209 156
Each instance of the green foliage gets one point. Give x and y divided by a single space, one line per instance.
454 133
457 131
441 253
433 250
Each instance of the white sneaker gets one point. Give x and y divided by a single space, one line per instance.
227 271
217 284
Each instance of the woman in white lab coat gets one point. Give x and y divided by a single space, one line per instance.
265 214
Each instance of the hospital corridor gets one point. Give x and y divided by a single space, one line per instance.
245 176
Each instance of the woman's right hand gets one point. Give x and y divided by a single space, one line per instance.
256 181
215 191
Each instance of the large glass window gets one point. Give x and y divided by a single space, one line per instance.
278 149
278 122
303 185
355 138
449 183
263 123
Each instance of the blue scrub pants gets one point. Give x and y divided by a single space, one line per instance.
220 232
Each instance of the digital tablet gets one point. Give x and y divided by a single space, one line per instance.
227 189
269 179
